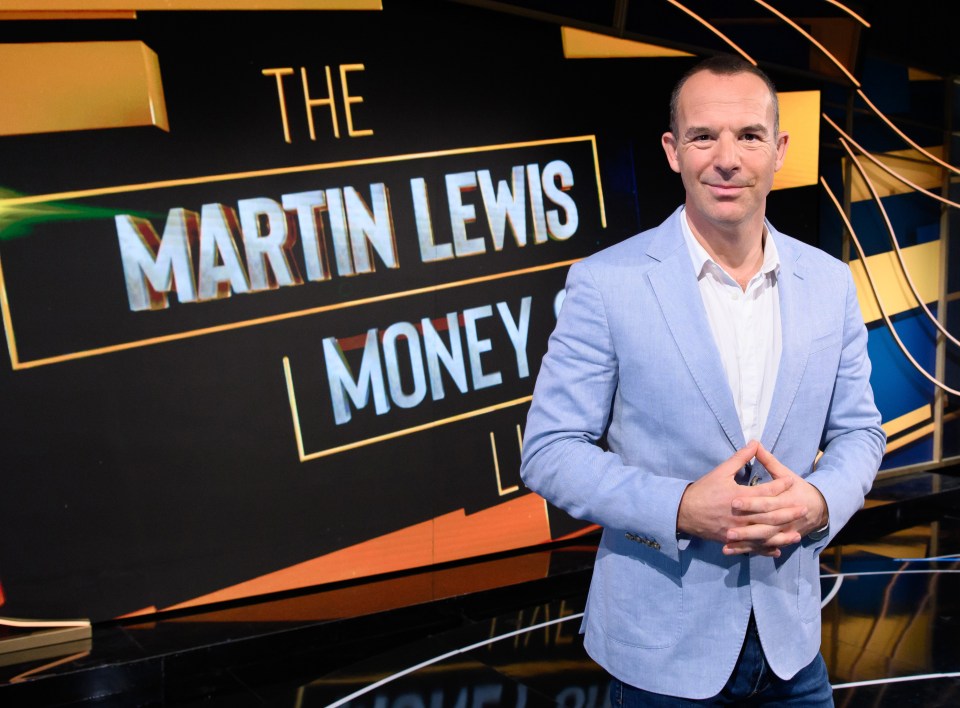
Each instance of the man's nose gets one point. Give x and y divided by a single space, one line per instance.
727 157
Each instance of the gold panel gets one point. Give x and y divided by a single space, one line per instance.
910 164
907 420
75 15
923 263
98 5
580 44
57 86
800 117
921 75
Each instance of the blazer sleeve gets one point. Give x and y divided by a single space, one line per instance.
853 440
563 457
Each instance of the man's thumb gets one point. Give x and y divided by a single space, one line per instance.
741 457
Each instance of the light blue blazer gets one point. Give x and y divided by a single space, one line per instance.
632 404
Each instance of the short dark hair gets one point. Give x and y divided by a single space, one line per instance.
724 65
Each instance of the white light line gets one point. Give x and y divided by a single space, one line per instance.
897 679
448 655
955 556
929 571
833 591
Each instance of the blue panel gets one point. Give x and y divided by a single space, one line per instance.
914 453
897 386
915 219
887 85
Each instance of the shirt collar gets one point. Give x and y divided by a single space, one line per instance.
701 259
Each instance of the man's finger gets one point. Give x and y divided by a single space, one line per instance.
741 457
776 469
767 490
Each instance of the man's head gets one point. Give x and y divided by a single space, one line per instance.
725 143
724 65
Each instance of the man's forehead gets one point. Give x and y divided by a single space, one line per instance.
742 95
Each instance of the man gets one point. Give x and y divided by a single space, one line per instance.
695 373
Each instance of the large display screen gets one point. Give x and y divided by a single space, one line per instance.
288 336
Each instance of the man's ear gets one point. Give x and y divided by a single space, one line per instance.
669 142
783 139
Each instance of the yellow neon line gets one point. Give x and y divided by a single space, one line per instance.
849 12
272 172
886 168
903 136
415 429
8 322
713 29
896 245
876 294
810 38
294 412
596 167
271 318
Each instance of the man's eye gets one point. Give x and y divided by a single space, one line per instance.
750 137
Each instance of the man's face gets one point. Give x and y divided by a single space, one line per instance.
725 149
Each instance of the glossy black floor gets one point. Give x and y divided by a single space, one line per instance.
503 632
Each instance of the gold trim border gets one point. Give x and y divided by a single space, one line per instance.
60 6
307 456
17 364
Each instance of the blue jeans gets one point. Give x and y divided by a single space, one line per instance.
751 684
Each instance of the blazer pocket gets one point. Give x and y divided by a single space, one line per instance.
641 596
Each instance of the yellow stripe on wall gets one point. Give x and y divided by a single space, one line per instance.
907 420
800 117
87 5
922 262
58 86
580 44
908 163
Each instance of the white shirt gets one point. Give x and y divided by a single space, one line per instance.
746 329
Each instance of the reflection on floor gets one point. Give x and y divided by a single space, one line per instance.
503 632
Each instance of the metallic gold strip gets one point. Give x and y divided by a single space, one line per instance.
810 38
496 468
77 5
850 12
78 15
8 322
876 294
889 181
903 136
912 163
713 29
414 429
580 44
294 411
17 364
59 86
904 269
226 177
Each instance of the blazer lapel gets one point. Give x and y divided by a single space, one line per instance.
675 286
795 336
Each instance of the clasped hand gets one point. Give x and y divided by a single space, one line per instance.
759 519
